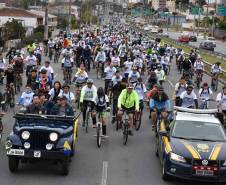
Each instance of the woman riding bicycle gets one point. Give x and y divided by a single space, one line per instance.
102 104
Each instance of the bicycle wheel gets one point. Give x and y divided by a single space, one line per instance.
98 135
125 133
87 121
138 121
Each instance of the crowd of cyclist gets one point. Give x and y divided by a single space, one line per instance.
132 67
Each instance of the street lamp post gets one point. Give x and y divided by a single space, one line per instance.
46 31
69 17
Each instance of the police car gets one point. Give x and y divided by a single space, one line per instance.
193 146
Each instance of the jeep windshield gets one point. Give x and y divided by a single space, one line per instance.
195 130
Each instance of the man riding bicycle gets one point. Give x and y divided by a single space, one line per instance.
87 98
67 64
199 67
159 106
128 101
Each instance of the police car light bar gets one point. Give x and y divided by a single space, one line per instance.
195 111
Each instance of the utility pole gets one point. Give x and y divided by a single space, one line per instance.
46 2
69 17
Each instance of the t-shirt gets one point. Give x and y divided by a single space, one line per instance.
48 69
128 65
88 94
134 76
141 90
221 98
205 93
109 72
188 99
31 60
179 89
70 96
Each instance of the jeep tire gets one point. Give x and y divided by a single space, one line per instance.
13 164
64 167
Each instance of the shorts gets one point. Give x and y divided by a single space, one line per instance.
131 109
141 104
90 104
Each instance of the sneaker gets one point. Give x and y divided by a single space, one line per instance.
83 124
130 132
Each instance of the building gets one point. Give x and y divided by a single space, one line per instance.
171 5
52 19
159 4
28 19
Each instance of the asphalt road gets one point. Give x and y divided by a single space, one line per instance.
221 46
113 164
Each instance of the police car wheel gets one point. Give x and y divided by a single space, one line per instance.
13 163
165 176
65 167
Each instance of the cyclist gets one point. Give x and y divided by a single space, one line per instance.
87 56
31 61
205 93
67 64
133 75
49 69
100 60
138 63
141 90
128 101
38 53
68 94
180 87
160 74
159 106
128 67
187 67
215 71
10 77
11 54
115 60
87 98
221 99
109 73
102 104
81 76
189 98
2 68
199 67
27 96
51 48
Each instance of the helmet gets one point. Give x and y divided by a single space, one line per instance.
89 81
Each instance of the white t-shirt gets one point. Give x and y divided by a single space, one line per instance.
70 96
204 94
27 98
2 63
141 90
48 69
52 93
188 99
128 66
109 72
180 89
31 60
134 76
221 98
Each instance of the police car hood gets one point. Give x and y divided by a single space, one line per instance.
197 149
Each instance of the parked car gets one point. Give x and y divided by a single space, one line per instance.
193 38
42 137
207 45
213 40
184 38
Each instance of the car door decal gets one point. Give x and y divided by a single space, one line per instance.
192 150
215 152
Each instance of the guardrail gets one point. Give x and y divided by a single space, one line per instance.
207 64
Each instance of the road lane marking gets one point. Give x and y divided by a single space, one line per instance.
104 173
171 84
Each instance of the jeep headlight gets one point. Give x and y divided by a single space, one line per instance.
177 158
25 135
53 136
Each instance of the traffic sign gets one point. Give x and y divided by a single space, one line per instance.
221 10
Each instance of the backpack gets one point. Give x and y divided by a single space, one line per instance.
208 91
142 86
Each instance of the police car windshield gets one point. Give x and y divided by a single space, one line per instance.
195 130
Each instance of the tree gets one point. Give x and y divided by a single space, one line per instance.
24 4
14 29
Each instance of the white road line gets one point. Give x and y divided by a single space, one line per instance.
55 75
171 84
104 173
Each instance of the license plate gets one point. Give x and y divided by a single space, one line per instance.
204 172
37 154
18 152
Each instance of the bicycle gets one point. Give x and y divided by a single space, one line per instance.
78 92
56 56
67 75
126 126
99 127
18 82
204 103
138 119
9 97
214 82
198 79
88 112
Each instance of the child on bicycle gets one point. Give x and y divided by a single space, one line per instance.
102 106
